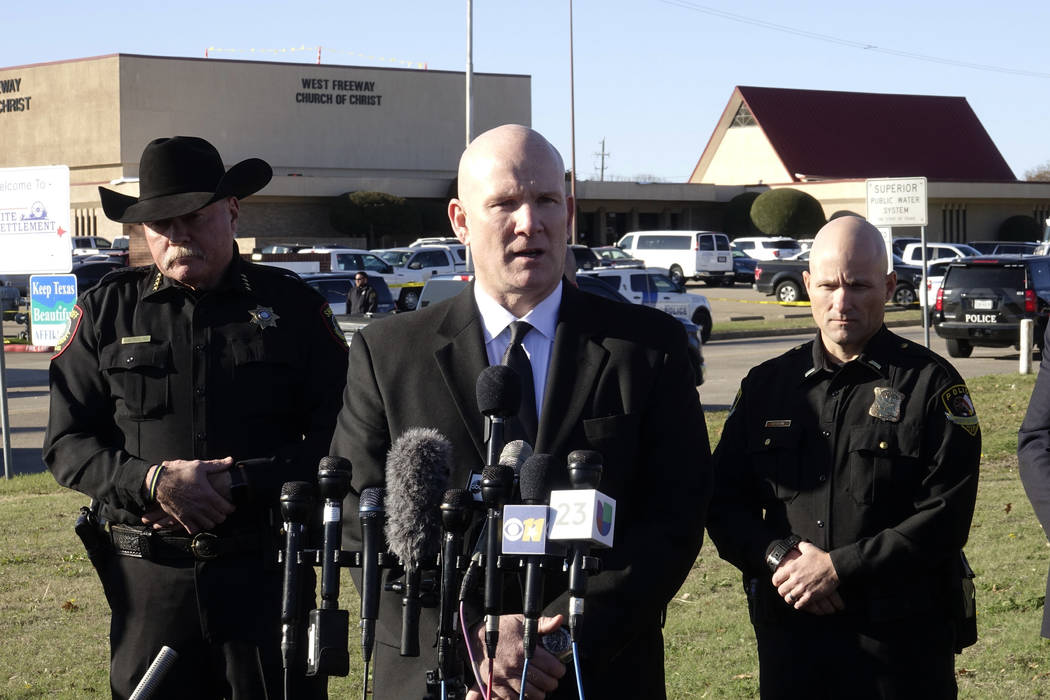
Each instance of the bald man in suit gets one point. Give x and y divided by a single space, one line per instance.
607 376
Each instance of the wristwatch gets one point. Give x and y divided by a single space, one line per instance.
240 491
779 549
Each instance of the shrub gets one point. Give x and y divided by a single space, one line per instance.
787 212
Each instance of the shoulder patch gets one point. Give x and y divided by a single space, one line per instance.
72 325
333 326
959 408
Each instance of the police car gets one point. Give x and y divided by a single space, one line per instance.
653 287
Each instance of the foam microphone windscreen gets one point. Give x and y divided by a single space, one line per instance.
498 391
417 469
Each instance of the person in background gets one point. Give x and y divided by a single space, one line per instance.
846 478
362 298
182 398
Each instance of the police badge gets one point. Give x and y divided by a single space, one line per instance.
887 404
264 316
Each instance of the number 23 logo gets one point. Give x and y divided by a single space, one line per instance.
571 514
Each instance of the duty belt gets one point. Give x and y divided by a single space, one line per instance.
161 545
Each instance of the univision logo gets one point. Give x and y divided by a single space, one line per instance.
603 517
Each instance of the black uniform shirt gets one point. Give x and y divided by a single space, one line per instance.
874 461
152 370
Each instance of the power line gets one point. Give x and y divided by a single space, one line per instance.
816 36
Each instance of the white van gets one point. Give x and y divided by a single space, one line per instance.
699 255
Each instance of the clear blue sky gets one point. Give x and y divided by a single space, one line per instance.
652 76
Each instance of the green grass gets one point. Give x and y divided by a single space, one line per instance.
54 619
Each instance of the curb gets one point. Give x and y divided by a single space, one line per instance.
28 348
808 330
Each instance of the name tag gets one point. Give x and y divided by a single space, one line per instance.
132 339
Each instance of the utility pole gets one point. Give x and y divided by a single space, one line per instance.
602 154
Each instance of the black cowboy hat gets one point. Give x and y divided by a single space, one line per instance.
180 175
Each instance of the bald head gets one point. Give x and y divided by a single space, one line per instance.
510 143
851 237
848 285
513 213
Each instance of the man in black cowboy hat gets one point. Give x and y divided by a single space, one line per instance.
183 396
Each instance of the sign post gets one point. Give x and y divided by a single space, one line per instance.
34 237
901 201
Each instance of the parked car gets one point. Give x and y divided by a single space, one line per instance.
353 259
699 255
89 274
418 263
441 287
90 245
898 243
936 252
611 256
768 247
334 286
743 267
435 240
654 287
783 279
1005 247
983 300
586 259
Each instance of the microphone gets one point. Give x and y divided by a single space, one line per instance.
162 663
372 514
297 502
525 533
328 653
498 391
417 469
456 518
514 455
585 517
496 484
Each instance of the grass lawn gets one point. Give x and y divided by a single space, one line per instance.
53 617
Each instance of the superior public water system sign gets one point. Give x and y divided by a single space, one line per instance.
34 220
899 201
51 302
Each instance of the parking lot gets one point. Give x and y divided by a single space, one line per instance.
728 361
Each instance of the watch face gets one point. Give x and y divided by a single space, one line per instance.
558 643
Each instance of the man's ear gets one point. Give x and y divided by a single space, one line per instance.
457 217
805 281
891 284
234 211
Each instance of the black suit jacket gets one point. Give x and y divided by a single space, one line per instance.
620 383
1033 453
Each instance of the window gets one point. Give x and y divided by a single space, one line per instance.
743 117
705 242
721 242
374 264
627 242
347 261
640 283
664 243
662 284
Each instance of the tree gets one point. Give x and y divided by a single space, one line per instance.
737 220
1040 173
787 212
373 215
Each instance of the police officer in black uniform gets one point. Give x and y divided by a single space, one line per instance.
184 395
846 478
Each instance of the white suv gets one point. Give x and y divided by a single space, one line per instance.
936 252
768 247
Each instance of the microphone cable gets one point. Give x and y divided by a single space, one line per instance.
364 686
524 673
488 691
470 647
576 664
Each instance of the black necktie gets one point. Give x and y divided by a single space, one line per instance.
516 359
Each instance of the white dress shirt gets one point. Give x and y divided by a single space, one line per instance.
495 324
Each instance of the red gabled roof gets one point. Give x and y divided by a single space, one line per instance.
843 135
